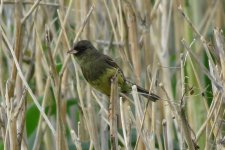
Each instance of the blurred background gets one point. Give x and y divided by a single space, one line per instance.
174 49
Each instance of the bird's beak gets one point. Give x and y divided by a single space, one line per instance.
72 51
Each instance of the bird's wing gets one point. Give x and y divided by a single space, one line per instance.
111 63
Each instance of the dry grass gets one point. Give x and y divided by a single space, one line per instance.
175 49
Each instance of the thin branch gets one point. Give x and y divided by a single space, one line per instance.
26 84
30 11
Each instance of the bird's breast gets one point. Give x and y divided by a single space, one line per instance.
92 72
98 74
99 78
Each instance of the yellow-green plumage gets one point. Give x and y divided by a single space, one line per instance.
98 69
103 84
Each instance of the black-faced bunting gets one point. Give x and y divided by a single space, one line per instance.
98 69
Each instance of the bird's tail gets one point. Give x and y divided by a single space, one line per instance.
151 96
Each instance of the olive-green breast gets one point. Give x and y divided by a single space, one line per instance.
99 75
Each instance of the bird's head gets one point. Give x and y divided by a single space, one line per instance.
80 47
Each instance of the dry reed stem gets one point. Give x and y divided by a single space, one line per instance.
76 37
34 6
120 137
119 34
63 24
86 114
26 84
1 69
133 39
124 124
201 37
203 68
107 114
113 112
84 23
182 71
218 86
11 123
38 69
111 21
165 134
5 2
10 138
39 133
140 120
163 55
76 140
214 72
216 118
56 84
154 31
197 79
182 121
18 45
74 136
100 103
19 115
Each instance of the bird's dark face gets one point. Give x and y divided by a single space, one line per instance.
80 47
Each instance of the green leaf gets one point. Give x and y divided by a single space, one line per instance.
1 144
58 67
32 117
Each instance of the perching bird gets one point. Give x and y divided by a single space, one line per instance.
98 69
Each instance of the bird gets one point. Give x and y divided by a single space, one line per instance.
98 69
